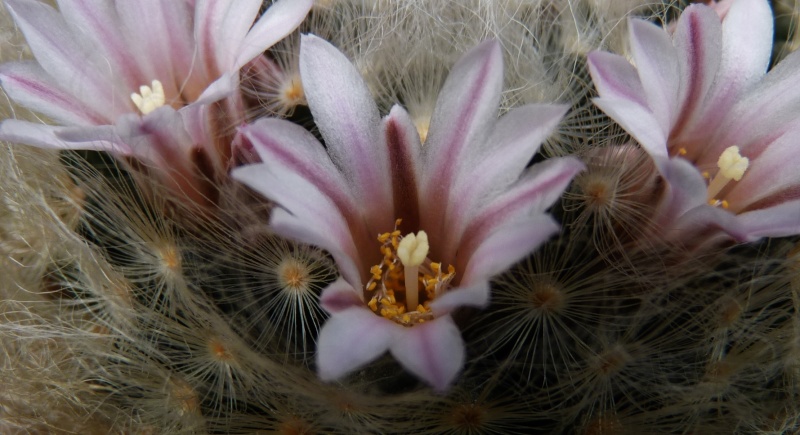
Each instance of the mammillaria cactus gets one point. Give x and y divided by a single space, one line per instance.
399 217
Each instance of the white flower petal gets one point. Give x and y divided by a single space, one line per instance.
465 112
698 41
161 44
474 294
348 119
307 206
105 37
615 78
769 178
516 138
746 49
506 245
780 220
34 133
433 350
534 193
29 85
639 122
282 17
75 65
220 28
350 339
339 296
768 110
656 63
403 145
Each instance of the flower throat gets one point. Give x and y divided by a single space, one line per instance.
396 280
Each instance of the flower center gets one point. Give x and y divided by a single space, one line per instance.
149 98
731 167
396 280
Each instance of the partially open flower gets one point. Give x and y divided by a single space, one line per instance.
722 133
416 231
112 74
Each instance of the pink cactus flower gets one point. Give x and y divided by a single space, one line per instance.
108 72
722 131
417 230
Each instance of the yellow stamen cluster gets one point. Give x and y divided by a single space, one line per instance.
435 282
388 281
149 98
717 203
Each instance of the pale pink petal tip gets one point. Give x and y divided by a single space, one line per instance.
351 339
434 351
